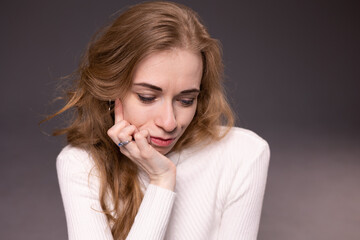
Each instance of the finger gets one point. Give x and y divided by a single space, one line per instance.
129 154
130 148
126 134
115 129
142 143
125 152
118 111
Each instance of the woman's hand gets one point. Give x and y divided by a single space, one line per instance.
161 170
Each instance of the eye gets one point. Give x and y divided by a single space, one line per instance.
146 99
187 102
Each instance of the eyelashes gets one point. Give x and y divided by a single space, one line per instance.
145 99
185 102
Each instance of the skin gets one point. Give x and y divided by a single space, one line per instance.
157 110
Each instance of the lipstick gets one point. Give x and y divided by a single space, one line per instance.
161 142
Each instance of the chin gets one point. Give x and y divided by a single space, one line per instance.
163 151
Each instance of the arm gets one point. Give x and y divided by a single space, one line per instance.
241 215
80 197
154 213
82 206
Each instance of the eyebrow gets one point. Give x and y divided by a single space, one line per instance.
149 86
156 88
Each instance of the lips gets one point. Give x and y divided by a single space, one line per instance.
161 142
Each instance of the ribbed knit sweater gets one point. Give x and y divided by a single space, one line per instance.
218 194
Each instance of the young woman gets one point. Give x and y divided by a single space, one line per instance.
152 150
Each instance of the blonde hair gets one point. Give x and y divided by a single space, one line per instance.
106 73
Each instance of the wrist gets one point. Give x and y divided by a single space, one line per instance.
166 180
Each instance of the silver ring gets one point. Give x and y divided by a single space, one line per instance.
121 144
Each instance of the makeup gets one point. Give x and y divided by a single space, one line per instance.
161 142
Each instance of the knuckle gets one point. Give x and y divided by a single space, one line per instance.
137 135
124 123
110 132
121 135
130 128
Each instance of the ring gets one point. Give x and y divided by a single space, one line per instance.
120 144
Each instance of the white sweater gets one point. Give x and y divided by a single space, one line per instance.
218 194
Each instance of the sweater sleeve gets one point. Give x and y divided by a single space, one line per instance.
154 213
79 192
84 217
242 211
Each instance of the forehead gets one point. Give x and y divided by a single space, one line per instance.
176 68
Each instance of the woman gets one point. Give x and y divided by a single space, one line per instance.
152 152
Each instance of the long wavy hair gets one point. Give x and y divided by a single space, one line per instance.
106 71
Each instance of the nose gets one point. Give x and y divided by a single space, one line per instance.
166 118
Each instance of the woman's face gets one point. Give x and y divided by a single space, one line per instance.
163 97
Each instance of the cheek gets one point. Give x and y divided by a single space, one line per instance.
186 116
137 115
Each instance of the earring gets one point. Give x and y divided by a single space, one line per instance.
109 104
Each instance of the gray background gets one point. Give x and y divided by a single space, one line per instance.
292 74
